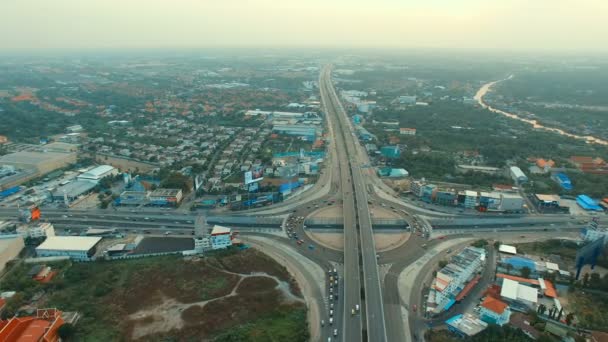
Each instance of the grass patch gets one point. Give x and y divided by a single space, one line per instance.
564 248
107 292
590 309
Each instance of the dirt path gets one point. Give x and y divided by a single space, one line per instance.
167 315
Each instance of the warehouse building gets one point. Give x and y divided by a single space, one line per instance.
72 191
518 175
518 295
80 248
588 203
43 162
97 173
10 247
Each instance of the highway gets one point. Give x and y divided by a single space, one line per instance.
359 245
352 327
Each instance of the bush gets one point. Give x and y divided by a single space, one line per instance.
481 243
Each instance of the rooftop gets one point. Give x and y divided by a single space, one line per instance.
516 291
70 243
494 305
468 324
74 188
165 192
218 230
98 171
507 249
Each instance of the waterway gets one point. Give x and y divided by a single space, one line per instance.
534 123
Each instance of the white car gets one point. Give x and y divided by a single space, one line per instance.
331 312
357 307
331 320
335 332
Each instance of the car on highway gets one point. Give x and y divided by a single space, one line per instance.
357 307
331 320
352 312
167 232
335 332
322 323
299 242
311 247
331 312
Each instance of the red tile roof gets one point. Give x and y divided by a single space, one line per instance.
467 288
494 305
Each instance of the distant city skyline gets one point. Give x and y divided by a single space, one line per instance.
510 24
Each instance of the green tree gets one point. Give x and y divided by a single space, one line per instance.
509 268
66 331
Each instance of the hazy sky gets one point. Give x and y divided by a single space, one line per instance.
511 24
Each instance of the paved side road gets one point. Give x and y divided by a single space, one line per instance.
309 275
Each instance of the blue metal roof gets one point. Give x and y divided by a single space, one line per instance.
587 203
519 262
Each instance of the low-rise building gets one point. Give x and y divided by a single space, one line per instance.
563 180
407 131
97 173
221 237
166 197
453 278
80 248
477 168
518 175
587 203
466 325
36 230
44 327
72 191
519 295
494 311
470 199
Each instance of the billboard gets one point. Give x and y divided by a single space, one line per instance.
254 176
198 182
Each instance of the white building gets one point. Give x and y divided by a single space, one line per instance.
507 249
221 237
202 244
518 175
407 131
38 230
517 293
76 247
97 173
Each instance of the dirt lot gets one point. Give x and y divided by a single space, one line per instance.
183 299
